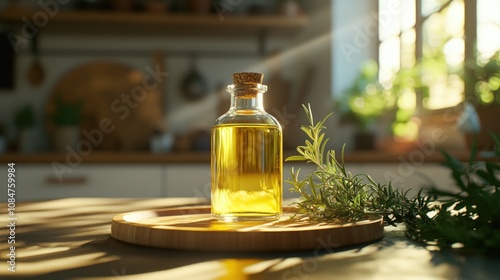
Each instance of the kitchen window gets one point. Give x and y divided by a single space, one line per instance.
429 35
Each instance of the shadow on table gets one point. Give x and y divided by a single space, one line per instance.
70 239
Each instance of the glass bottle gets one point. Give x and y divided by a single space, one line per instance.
246 156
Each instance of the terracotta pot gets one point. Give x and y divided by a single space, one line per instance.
488 116
364 141
66 136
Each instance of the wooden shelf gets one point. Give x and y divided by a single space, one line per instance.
128 21
146 24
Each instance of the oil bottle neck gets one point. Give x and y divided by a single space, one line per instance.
247 103
247 97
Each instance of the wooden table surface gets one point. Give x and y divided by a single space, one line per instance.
70 239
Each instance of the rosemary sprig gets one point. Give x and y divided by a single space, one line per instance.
469 218
333 193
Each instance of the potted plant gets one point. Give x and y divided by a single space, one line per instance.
66 118
484 84
24 121
364 102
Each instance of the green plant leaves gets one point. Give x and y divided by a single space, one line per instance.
466 219
67 113
25 118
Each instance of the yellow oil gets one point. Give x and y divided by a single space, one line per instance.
246 172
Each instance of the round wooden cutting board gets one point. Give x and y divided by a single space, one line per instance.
193 228
114 92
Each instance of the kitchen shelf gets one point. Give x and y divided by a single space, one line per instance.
143 23
166 20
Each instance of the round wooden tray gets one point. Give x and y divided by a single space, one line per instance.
193 228
101 86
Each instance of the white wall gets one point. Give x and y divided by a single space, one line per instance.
354 39
353 42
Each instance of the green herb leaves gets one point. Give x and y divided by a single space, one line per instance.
330 192
468 219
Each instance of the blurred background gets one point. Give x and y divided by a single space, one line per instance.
142 81
87 51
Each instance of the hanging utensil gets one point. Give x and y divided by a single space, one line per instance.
35 72
7 66
194 86
159 60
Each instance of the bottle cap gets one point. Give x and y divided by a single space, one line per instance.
248 78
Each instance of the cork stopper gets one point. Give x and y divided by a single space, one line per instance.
247 84
248 78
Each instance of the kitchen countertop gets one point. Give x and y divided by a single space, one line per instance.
376 156
70 239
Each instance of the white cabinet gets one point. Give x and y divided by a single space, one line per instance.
39 181
187 180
